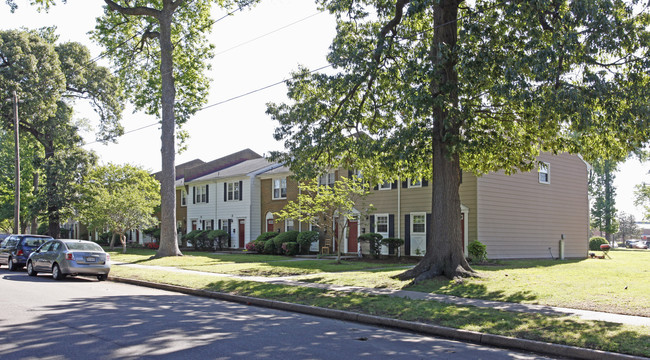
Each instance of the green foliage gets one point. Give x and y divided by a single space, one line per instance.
627 227
190 235
596 241
305 239
284 237
602 190
477 252
392 243
269 247
374 240
266 236
218 238
154 232
642 198
290 248
259 246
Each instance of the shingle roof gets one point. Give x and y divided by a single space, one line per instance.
241 169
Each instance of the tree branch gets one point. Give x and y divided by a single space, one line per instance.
137 10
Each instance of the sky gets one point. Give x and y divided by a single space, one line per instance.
254 48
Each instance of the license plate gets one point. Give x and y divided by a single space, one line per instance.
91 259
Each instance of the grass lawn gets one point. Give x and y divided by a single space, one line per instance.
561 330
618 285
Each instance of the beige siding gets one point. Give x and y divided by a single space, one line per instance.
468 198
519 217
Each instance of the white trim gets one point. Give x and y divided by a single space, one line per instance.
390 185
410 184
273 188
464 210
544 168
269 216
422 242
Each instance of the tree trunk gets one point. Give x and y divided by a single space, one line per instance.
112 242
34 219
123 240
51 189
444 255
168 236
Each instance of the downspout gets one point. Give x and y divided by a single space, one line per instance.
399 208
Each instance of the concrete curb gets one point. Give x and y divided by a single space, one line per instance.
427 329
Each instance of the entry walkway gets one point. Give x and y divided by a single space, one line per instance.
415 295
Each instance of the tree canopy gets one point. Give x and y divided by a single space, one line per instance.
440 86
119 198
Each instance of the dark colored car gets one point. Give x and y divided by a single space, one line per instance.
69 257
15 249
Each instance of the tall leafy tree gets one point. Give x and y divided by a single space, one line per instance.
603 193
642 198
161 52
627 227
119 198
48 79
440 86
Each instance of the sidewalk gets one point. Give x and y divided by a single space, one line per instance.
515 307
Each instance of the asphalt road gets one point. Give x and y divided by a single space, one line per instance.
81 318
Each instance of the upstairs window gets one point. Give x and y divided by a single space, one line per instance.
233 191
386 185
415 183
201 194
327 179
544 172
280 188
183 198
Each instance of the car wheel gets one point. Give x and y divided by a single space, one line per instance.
102 277
12 265
56 272
30 269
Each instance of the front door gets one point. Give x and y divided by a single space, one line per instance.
242 228
418 234
353 234
269 225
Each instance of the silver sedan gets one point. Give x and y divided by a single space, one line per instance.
69 257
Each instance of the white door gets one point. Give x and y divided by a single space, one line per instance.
418 233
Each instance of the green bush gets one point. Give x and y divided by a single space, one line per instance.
393 243
290 248
595 242
217 238
305 239
477 251
259 246
266 236
269 247
154 232
285 237
374 240
201 241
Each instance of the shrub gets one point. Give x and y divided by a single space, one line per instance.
305 239
477 251
259 246
374 240
201 241
281 238
290 248
595 242
153 232
392 243
266 236
269 247
151 245
250 246
217 238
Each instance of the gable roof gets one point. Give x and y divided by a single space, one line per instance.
244 168
219 164
180 170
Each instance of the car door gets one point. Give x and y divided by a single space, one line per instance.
49 257
38 256
7 247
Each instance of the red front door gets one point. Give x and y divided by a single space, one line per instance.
242 228
353 234
269 225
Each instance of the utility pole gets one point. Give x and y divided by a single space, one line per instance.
17 179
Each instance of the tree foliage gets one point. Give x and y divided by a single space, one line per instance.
603 193
329 207
642 198
119 198
627 227
48 79
440 86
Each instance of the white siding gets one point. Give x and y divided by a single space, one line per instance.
201 211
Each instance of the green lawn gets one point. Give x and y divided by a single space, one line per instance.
618 285
555 329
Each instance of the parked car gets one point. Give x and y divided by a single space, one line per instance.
15 249
69 257
630 244
3 236
640 245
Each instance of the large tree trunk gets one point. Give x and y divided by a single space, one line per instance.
168 241
51 190
444 255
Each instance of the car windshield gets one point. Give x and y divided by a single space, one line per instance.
85 246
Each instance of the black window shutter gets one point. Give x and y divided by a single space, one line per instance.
212 224
461 176
193 194
372 223
391 232
219 223
241 190
229 233
405 184
207 196
425 182
225 191
428 225
394 185
407 234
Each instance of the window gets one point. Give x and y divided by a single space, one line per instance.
327 179
288 225
280 188
419 223
544 173
415 183
233 191
201 193
386 185
381 224
183 198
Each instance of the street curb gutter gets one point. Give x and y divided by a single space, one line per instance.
441 331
